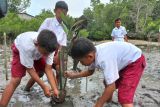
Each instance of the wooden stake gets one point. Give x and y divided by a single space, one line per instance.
86 84
5 56
158 41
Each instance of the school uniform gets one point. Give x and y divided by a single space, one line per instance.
122 63
52 24
26 55
119 33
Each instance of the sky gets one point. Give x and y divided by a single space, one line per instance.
76 7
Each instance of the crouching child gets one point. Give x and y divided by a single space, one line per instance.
32 52
122 64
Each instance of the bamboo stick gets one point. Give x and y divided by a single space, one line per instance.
5 56
159 40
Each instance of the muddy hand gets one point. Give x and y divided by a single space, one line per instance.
70 75
56 93
47 92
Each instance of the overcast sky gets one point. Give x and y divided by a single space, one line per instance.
76 7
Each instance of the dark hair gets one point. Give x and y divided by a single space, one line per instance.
61 4
47 40
118 19
81 47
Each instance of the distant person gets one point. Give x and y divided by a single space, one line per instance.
121 62
57 26
32 52
119 33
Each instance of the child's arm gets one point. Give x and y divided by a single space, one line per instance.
112 38
51 78
112 35
73 75
126 38
35 76
106 96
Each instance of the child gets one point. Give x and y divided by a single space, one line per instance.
122 64
119 33
57 26
29 50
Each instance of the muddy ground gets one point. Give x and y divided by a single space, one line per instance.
84 92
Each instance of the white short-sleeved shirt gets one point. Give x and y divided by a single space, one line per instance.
119 33
112 57
53 25
28 51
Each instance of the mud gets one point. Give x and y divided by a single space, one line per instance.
84 92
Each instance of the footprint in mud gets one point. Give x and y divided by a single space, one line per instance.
23 98
149 96
71 83
154 90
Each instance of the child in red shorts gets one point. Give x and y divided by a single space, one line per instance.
32 52
122 64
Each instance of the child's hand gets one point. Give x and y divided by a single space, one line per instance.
70 75
56 93
47 92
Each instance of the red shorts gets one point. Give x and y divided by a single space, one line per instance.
129 79
18 70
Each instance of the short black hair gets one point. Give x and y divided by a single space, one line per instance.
118 19
47 40
81 47
62 5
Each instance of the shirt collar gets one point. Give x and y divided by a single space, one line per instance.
56 22
118 28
